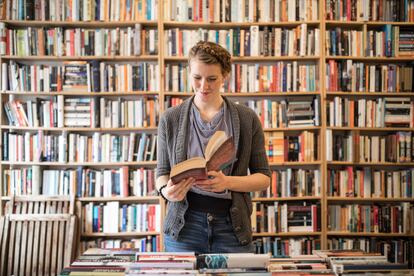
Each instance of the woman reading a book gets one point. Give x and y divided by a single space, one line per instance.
210 213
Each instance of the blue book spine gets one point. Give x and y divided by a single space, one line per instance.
95 218
124 218
388 40
79 177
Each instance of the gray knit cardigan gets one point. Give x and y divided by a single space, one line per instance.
251 155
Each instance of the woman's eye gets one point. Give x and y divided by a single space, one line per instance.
212 80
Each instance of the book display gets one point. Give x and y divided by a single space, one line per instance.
83 86
321 262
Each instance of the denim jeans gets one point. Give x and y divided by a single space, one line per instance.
206 233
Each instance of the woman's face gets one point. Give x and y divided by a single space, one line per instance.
206 80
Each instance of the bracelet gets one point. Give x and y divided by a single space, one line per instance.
161 194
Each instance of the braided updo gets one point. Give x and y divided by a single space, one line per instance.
211 53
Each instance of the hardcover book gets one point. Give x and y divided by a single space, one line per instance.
220 152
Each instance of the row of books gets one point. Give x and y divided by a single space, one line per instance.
375 218
370 10
102 112
390 148
353 76
113 217
281 76
396 250
58 41
290 112
380 112
241 11
80 76
76 148
144 244
82 182
391 41
291 182
247 77
388 41
370 183
79 10
396 148
171 101
286 247
286 217
302 147
344 42
255 41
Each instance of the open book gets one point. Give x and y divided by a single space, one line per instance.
219 153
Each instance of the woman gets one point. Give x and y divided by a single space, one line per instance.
212 215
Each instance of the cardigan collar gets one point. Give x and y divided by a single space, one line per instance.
181 147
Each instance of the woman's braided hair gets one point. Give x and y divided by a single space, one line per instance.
211 53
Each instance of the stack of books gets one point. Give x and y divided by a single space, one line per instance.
163 263
356 261
233 264
97 261
299 265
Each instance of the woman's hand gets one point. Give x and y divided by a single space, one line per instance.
177 192
217 182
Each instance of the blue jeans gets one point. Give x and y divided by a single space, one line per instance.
206 233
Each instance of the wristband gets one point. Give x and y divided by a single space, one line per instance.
161 194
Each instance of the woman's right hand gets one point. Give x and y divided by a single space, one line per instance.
177 192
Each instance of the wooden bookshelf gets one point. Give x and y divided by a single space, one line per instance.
322 92
360 234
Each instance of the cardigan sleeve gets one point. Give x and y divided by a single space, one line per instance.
258 160
163 158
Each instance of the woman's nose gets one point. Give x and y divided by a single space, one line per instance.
204 84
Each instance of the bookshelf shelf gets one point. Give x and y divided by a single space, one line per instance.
130 199
289 234
275 199
293 129
368 23
371 94
81 93
228 25
373 129
255 58
368 200
382 23
248 94
81 58
81 164
119 235
379 164
369 59
365 234
79 24
349 24
293 164
79 129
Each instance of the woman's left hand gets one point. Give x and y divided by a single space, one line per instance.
217 182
